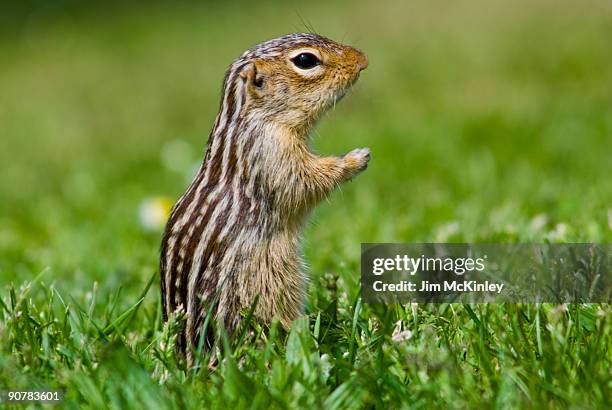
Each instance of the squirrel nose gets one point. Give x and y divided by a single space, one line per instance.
361 60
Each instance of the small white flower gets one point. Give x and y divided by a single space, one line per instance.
559 233
402 336
399 335
154 213
538 222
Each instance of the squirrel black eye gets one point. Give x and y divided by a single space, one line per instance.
305 61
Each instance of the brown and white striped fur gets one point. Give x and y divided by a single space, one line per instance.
235 233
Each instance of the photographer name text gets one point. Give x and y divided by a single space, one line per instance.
446 286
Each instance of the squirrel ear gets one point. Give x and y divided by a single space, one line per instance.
251 76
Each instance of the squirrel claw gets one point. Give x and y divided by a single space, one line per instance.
357 160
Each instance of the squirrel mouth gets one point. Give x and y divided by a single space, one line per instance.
342 91
338 96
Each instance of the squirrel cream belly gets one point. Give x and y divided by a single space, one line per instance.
234 235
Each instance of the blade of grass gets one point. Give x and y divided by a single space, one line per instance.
354 331
127 316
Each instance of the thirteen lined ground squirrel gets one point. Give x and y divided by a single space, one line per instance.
235 233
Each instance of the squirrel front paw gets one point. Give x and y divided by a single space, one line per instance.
356 161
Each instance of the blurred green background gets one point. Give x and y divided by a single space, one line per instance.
488 121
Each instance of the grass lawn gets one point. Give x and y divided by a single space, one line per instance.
487 123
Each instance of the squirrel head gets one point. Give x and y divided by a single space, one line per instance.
294 79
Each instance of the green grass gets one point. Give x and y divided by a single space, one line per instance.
487 123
